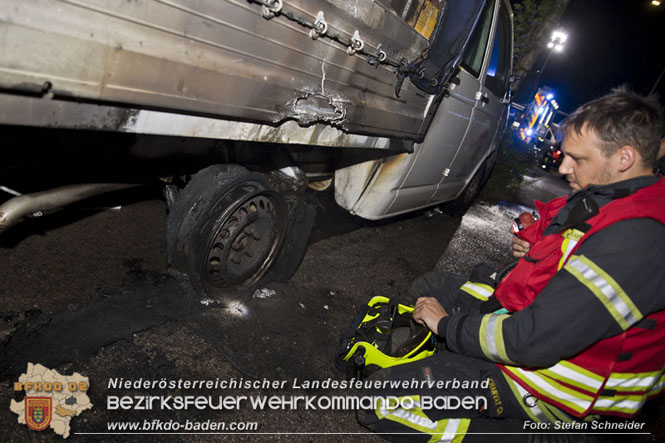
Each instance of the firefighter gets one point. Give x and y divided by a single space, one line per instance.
577 329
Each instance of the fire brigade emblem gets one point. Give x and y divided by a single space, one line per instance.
38 412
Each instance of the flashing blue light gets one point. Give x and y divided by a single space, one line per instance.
540 110
529 132
549 96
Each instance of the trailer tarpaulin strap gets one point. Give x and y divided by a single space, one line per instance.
433 69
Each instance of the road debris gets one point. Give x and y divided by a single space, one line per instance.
263 293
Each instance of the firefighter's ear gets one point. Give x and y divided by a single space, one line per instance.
626 156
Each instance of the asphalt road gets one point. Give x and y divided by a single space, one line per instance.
88 291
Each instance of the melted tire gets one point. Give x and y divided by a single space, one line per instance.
302 210
229 230
181 206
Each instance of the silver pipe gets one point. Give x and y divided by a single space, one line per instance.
13 210
9 191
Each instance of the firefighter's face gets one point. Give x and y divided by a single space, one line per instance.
584 164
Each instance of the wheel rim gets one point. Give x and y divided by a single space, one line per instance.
245 239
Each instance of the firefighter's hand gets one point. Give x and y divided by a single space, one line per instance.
429 312
520 247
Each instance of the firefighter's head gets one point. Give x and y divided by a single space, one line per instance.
610 139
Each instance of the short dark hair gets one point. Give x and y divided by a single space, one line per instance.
620 118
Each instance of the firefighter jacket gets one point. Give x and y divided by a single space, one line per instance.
585 328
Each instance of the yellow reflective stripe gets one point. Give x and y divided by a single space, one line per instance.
413 418
462 429
491 337
629 404
558 414
566 249
452 430
633 382
479 290
572 374
658 387
573 234
380 411
536 413
483 336
606 289
514 387
571 238
549 388
449 430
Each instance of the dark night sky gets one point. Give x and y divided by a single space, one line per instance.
610 42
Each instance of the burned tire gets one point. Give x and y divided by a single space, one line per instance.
300 221
226 229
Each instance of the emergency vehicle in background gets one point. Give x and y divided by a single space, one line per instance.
538 131
538 117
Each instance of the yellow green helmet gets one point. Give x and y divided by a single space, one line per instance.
383 334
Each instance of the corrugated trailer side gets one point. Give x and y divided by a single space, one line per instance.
217 58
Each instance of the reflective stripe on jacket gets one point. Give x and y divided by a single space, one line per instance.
616 375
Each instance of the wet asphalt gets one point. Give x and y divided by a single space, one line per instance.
88 291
